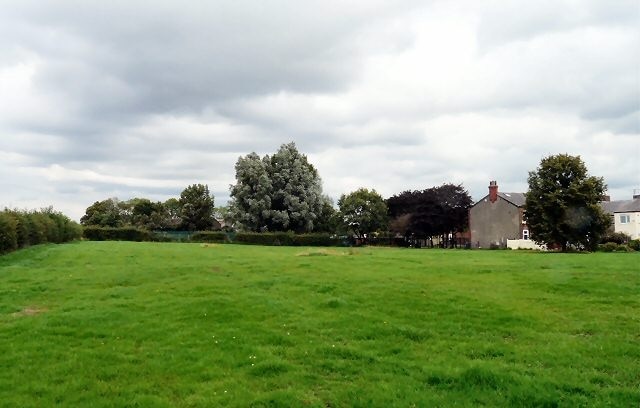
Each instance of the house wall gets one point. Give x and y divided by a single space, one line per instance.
631 228
494 223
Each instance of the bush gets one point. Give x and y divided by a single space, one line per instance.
634 244
8 235
117 234
267 238
608 247
619 238
209 236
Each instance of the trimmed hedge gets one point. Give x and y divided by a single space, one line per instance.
248 238
209 236
19 229
117 234
267 238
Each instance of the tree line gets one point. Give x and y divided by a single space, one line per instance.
283 192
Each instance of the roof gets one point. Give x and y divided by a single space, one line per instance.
621 206
516 199
611 207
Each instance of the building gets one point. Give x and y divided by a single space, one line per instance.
496 218
625 215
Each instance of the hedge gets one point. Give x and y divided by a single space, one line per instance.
19 229
95 233
266 238
117 234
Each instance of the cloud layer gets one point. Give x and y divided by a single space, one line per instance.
123 99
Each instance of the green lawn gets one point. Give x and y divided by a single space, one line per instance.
149 324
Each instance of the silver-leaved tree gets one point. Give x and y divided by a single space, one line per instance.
282 192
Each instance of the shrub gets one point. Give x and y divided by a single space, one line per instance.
209 236
8 235
634 244
19 229
617 237
608 247
623 248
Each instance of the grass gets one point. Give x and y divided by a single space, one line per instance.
113 324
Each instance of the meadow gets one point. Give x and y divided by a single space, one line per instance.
115 324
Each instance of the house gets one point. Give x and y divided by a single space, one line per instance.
625 215
496 218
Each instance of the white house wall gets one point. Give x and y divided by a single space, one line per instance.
632 228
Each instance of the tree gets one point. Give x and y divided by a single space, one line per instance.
328 219
196 208
250 204
437 211
363 212
563 204
278 193
171 219
106 213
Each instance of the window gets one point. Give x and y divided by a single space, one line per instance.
525 234
625 219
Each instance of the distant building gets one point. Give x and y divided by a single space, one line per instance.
499 217
496 218
625 215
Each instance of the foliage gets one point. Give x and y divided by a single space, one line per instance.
329 219
193 211
617 237
634 244
94 233
278 193
562 204
437 211
363 212
177 325
106 213
209 236
19 229
8 234
196 204
285 239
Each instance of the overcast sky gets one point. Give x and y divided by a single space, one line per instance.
127 99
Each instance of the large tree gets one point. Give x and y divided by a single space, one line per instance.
363 212
196 208
276 193
563 204
250 204
437 211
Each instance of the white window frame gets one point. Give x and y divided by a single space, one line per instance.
625 218
525 234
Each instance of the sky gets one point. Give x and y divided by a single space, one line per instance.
141 99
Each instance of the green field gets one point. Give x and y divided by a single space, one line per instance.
147 324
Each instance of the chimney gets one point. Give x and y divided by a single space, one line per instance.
636 193
606 198
493 191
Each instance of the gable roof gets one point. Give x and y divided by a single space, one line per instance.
516 199
621 206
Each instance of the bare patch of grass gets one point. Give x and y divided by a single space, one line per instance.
30 311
